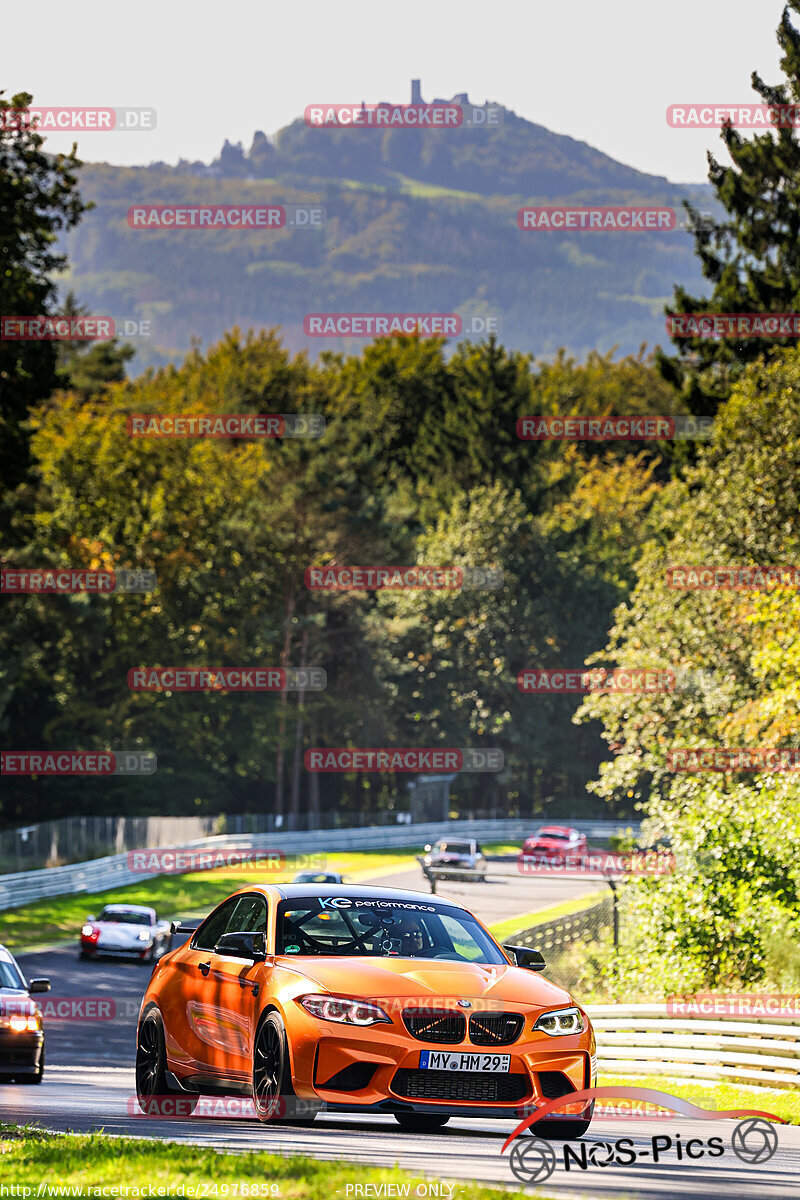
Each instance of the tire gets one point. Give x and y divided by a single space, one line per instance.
272 1077
84 957
420 1122
37 1078
151 1070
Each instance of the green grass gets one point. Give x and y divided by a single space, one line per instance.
31 1158
195 894
428 191
783 1103
504 929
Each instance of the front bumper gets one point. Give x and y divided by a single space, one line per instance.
138 951
378 1068
476 1111
20 1053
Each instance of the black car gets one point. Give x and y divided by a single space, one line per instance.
21 1025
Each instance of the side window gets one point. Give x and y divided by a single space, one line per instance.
248 916
214 926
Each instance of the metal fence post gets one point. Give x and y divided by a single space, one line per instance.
613 887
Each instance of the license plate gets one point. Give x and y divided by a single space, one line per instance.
441 1060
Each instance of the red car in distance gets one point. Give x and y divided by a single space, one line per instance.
555 843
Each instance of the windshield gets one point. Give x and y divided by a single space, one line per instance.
382 928
454 847
553 835
125 918
10 976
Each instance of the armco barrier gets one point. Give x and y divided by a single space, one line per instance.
102 874
643 1039
555 935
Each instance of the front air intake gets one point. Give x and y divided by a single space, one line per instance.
426 1025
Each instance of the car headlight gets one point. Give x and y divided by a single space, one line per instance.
144 935
344 1010
21 1024
560 1022
87 931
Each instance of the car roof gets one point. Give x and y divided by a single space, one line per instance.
557 829
128 908
352 891
7 956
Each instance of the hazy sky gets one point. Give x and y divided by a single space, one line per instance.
602 71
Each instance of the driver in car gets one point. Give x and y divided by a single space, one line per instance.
404 939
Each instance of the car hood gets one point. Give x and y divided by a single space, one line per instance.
16 1003
119 934
409 977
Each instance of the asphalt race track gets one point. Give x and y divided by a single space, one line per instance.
89 1085
83 1099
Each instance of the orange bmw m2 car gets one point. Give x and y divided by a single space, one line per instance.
361 999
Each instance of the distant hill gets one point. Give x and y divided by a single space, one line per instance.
421 221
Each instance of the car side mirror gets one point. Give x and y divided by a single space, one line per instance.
38 985
90 918
523 956
252 946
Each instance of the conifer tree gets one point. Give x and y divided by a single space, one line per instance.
752 259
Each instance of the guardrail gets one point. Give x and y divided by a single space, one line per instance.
555 935
644 1039
113 871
